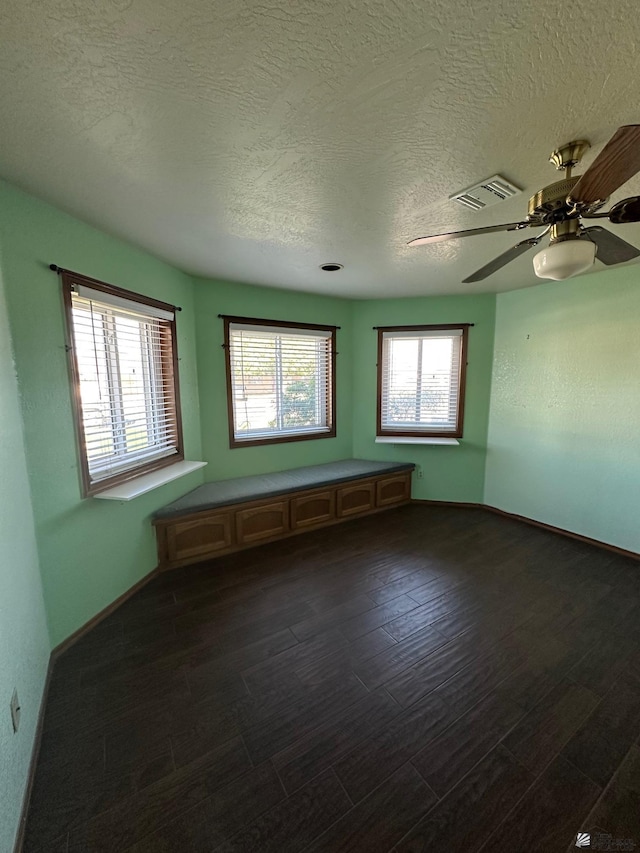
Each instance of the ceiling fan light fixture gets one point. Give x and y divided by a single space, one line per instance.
564 259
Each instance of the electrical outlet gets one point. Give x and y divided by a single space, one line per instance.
15 711
419 472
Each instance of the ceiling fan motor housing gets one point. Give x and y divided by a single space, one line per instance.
551 199
562 205
567 230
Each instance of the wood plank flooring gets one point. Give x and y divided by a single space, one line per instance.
434 678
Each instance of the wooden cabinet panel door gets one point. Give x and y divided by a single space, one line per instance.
262 522
393 490
353 500
200 536
312 509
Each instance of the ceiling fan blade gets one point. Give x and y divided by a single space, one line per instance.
627 210
611 249
452 235
618 161
502 260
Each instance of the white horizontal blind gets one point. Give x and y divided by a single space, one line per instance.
124 358
127 304
421 380
280 380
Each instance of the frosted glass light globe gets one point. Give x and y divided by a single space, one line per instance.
562 260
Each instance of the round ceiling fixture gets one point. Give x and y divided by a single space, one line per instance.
332 267
565 259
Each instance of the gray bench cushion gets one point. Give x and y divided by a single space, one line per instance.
241 489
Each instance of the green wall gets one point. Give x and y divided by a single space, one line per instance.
565 403
453 473
244 300
565 410
24 641
563 427
450 473
91 551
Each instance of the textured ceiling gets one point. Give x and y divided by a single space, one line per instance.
254 141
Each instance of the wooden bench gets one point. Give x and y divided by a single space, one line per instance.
230 515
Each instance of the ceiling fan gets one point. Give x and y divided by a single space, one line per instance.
559 209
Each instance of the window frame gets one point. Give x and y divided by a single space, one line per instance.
169 368
462 381
234 443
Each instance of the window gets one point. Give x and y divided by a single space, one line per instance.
280 381
421 378
123 365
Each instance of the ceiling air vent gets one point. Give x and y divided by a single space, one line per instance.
486 193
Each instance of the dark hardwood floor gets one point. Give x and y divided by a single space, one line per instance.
428 679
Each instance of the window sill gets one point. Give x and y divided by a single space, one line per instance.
281 438
147 482
401 439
